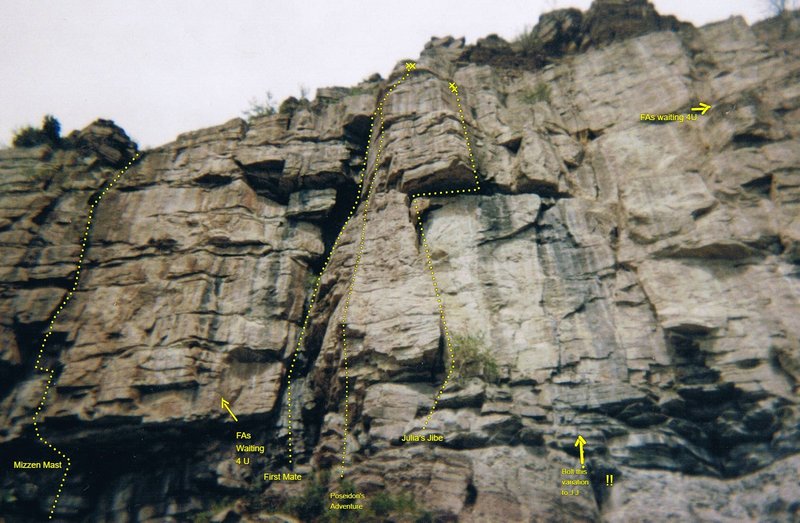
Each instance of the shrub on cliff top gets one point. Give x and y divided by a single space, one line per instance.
261 108
527 39
778 7
50 134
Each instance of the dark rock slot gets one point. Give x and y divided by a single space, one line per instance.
752 138
689 360
471 495
513 144
717 416
357 130
346 195
760 186
41 217
211 180
267 179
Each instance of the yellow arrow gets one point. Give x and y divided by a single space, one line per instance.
580 442
703 108
225 405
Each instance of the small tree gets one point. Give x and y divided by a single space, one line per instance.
778 7
51 129
265 108
304 91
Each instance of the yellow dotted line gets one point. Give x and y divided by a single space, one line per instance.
429 262
471 162
61 306
359 255
315 291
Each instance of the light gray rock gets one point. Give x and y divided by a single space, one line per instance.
633 282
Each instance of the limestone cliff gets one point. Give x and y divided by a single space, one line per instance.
629 280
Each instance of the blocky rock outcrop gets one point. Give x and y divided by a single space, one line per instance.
634 282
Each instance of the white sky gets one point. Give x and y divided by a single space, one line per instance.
161 68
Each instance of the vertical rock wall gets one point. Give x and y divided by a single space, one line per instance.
634 282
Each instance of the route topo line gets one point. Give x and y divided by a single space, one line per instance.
414 198
58 310
315 292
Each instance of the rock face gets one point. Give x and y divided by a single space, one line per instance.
632 281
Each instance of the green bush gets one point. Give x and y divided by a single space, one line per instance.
380 507
311 280
307 505
207 515
540 93
289 106
527 40
28 137
50 134
261 108
385 504
473 359
310 504
357 90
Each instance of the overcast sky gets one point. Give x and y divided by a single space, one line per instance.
161 68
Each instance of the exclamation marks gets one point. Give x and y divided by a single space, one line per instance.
609 480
